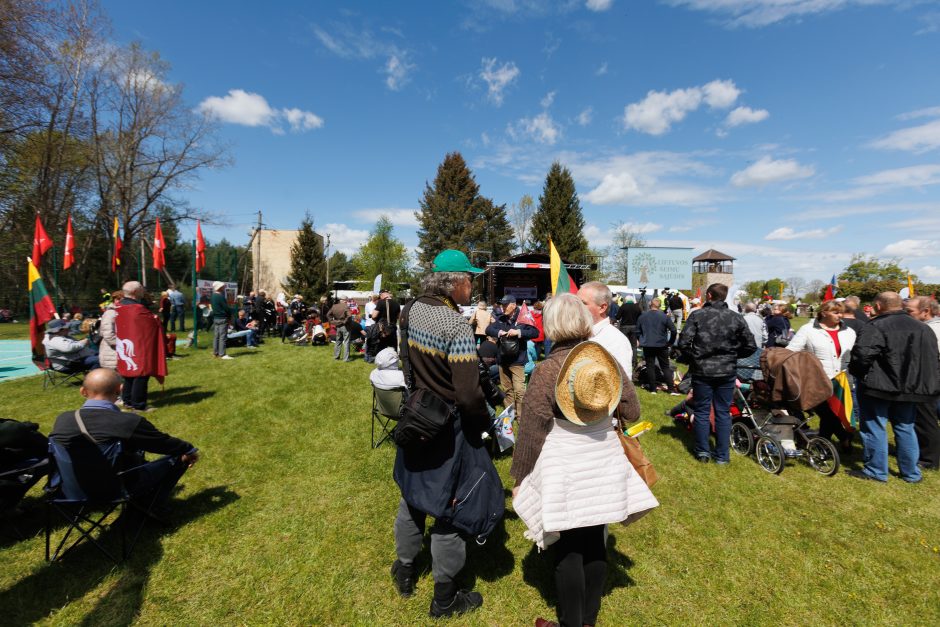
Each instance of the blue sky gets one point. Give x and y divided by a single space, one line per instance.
788 133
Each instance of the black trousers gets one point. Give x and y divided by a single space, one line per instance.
928 434
829 424
652 356
134 393
580 574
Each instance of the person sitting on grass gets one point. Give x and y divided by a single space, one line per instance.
106 423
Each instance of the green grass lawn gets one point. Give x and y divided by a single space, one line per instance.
287 519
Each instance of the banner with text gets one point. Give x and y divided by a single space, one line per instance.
660 268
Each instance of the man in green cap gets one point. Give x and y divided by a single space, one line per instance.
439 354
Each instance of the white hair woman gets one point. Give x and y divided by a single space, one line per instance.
567 449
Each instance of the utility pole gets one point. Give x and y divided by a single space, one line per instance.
256 255
329 287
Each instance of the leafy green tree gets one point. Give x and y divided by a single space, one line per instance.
453 214
559 216
341 268
866 276
383 254
307 263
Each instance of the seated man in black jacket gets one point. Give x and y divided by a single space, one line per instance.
105 422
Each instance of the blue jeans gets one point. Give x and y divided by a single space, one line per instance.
707 393
875 414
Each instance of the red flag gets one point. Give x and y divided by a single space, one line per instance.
41 242
525 316
200 248
159 246
68 259
116 253
830 290
698 293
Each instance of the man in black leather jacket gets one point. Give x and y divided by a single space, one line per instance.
711 342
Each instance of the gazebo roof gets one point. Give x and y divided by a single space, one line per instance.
713 255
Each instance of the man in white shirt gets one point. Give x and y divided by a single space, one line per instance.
370 308
596 297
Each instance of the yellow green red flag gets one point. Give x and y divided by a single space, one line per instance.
41 309
562 283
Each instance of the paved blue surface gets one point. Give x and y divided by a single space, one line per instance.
15 360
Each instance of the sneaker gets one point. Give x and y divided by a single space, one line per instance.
463 601
722 462
227 357
404 579
703 458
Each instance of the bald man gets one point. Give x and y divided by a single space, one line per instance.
105 422
895 362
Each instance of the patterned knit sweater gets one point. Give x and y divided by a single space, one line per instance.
443 356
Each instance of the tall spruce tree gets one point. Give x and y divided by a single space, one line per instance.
307 263
559 217
453 214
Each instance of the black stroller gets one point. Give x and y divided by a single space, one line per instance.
772 421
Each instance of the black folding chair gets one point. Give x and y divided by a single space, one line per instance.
57 371
385 407
15 482
85 488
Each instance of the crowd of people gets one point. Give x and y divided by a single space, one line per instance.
566 367
576 400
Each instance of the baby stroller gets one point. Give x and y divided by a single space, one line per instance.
772 420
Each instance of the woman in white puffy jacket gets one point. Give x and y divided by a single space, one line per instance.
831 341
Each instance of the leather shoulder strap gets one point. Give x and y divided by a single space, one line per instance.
81 427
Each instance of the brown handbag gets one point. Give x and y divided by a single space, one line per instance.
639 460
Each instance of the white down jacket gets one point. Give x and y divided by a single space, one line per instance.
814 339
581 478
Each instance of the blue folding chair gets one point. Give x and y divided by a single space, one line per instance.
85 487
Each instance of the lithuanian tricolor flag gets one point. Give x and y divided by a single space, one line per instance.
841 402
562 283
41 309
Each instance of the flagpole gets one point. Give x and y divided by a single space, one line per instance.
143 272
195 299
55 275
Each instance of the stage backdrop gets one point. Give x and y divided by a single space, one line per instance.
660 267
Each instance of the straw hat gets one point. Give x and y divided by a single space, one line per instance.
589 385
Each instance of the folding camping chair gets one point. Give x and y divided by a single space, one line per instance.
15 482
84 488
57 371
385 407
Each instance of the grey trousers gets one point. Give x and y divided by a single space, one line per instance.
342 343
448 549
220 331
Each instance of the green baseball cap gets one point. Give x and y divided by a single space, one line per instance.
453 261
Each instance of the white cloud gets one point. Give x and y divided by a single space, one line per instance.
349 42
929 273
916 139
787 233
600 237
746 115
584 118
398 217
302 120
929 112
250 109
913 176
541 128
757 13
548 100
600 71
767 171
599 5
498 78
397 72
643 179
343 238
913 248
659 110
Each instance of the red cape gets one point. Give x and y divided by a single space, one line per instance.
141 345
